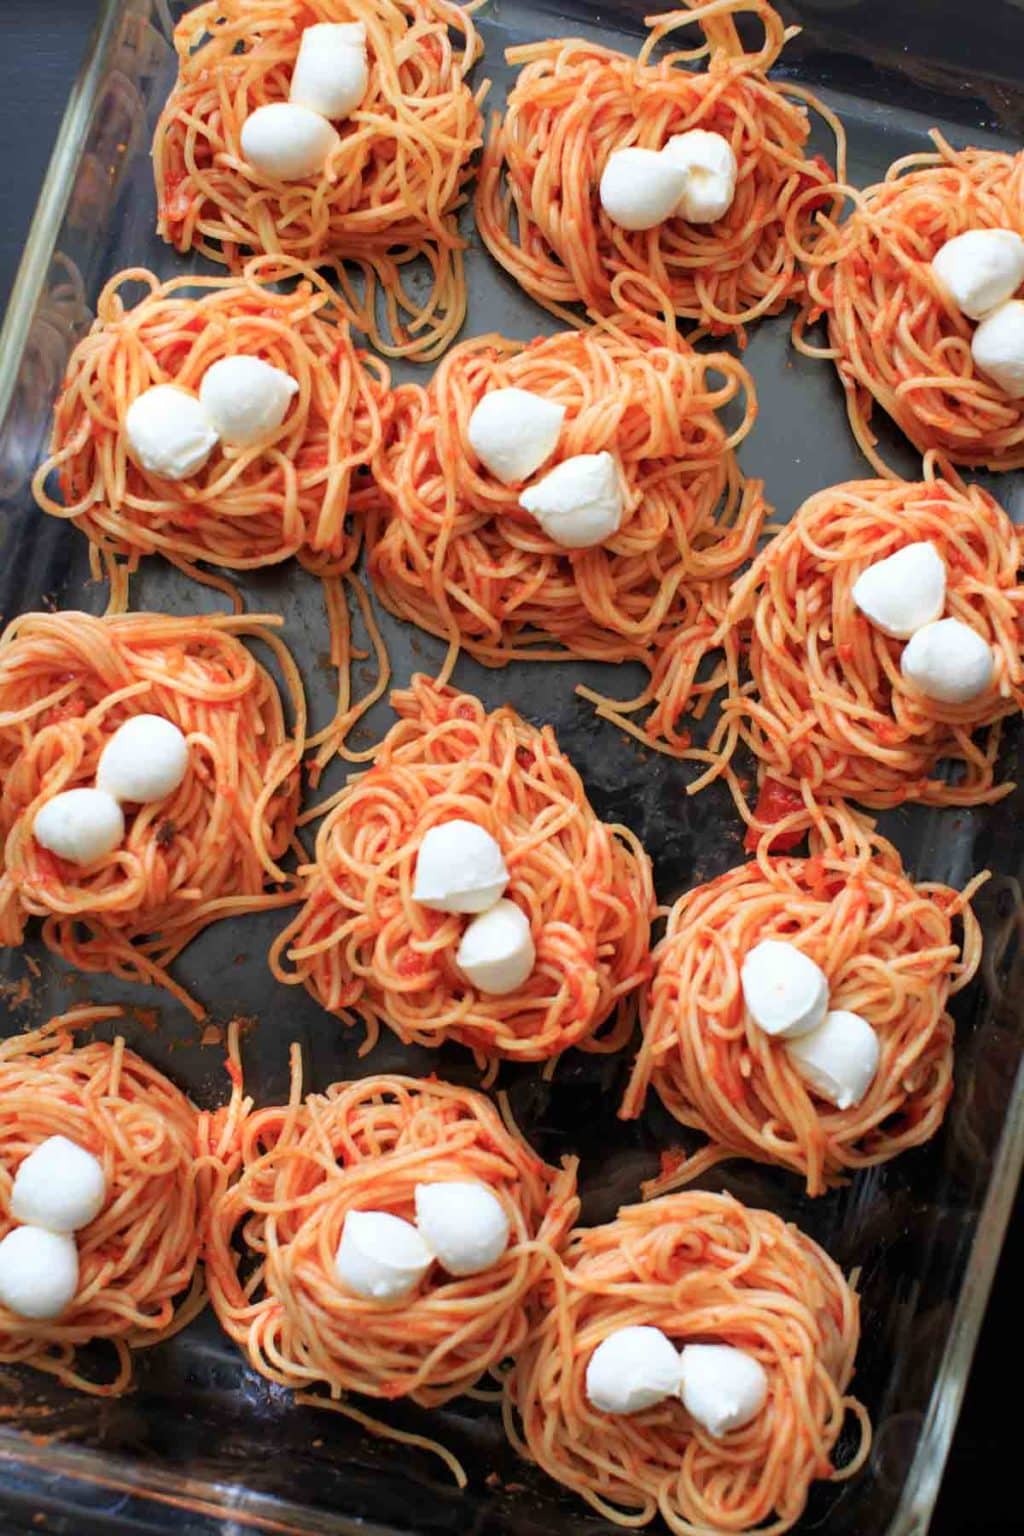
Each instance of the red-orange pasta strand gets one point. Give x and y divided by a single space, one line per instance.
889 949
827 711
298 491
575 102
211 849
364 949
704 1269
897 338
365 1146
389 194
454 553
139 1275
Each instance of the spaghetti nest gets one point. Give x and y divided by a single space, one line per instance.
455 553
827 711
575 102
365 1146
898 340
67 682
889 951
704 1269
363 946
287 494
139 1280
387 195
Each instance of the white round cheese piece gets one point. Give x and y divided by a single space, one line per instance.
579 502
513 432
38 1272
497 951
632 1369
168 432
709 165
145 760
839 1059
59 1186
998 348
80 825
640 188
904 592
949 661
287 142
980 269
331 72
723 1388
245 398
459 868
463 1224
785 992
380 1256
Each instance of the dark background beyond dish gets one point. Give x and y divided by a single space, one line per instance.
41 43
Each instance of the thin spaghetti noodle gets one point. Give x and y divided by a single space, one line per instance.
704 1269
365 1146
827 711
897 339
388 195
454 553
888 948
575 101
363 947
139 1275
290 493
209 850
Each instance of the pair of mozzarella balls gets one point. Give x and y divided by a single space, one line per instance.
787 995
579 503
461 868
58 1189
144 761
904 596
692 178
241 401
460 1225
638 1367
981 270
290 140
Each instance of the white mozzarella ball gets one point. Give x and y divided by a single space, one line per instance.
579 502
38 1272
331 72
513 432
80 825
497 951
980 269
723 1388
59 1186
287 142
708 162
640 188
632 1369
459 868
839 1059
463 1224
380 1256
786 993
903 592
998 348
168 432
145 760
949 661
245 398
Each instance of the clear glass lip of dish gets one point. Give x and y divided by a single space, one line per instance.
203 1444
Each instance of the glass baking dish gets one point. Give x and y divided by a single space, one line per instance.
202 1443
